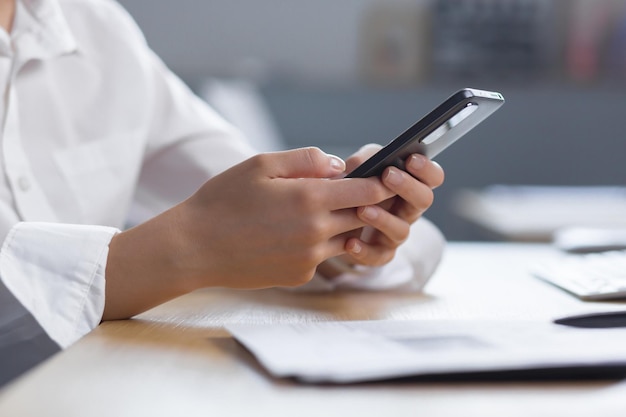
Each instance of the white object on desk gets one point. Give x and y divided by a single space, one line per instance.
347 352
590 239
592 276
534 213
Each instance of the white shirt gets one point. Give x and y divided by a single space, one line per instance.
93 124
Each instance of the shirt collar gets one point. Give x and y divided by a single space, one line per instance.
40 31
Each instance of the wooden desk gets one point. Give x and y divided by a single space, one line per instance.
177 360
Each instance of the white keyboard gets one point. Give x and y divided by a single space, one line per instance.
592 276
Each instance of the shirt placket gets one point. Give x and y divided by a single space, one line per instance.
30 201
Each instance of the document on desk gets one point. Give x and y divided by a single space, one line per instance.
349 352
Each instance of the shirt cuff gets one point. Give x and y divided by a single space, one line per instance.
56 271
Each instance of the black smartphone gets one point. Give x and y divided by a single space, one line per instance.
439 129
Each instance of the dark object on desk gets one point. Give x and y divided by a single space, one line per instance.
23 342
605 320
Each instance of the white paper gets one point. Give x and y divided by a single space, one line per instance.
345 352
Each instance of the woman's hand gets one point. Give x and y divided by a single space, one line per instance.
389 223
269 221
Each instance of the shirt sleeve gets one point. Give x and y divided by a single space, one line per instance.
414 264
56 271
188 143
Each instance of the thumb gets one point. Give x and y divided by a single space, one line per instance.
362 155
306 163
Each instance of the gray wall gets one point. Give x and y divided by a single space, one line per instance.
547 133
307 40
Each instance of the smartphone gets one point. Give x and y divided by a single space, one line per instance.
439 129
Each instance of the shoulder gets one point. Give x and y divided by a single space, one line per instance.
101 18
97 9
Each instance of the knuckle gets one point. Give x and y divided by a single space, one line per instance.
316 230
376 191
316 255
260 161
313 155
430 198
310 257
300 278
403 234
303 279
427 199
306 199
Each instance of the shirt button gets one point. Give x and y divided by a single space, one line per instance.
23 183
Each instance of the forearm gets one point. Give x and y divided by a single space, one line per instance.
142 268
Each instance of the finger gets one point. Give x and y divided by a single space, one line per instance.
353 192
344 222
300 163
368 254
336 246
392 230
415 196
341 223
427 171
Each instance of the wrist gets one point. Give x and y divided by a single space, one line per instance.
143 270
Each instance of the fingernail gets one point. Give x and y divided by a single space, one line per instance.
417 161
356 248
369 213
393 176
337 164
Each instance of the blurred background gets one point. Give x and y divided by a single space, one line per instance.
340 74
